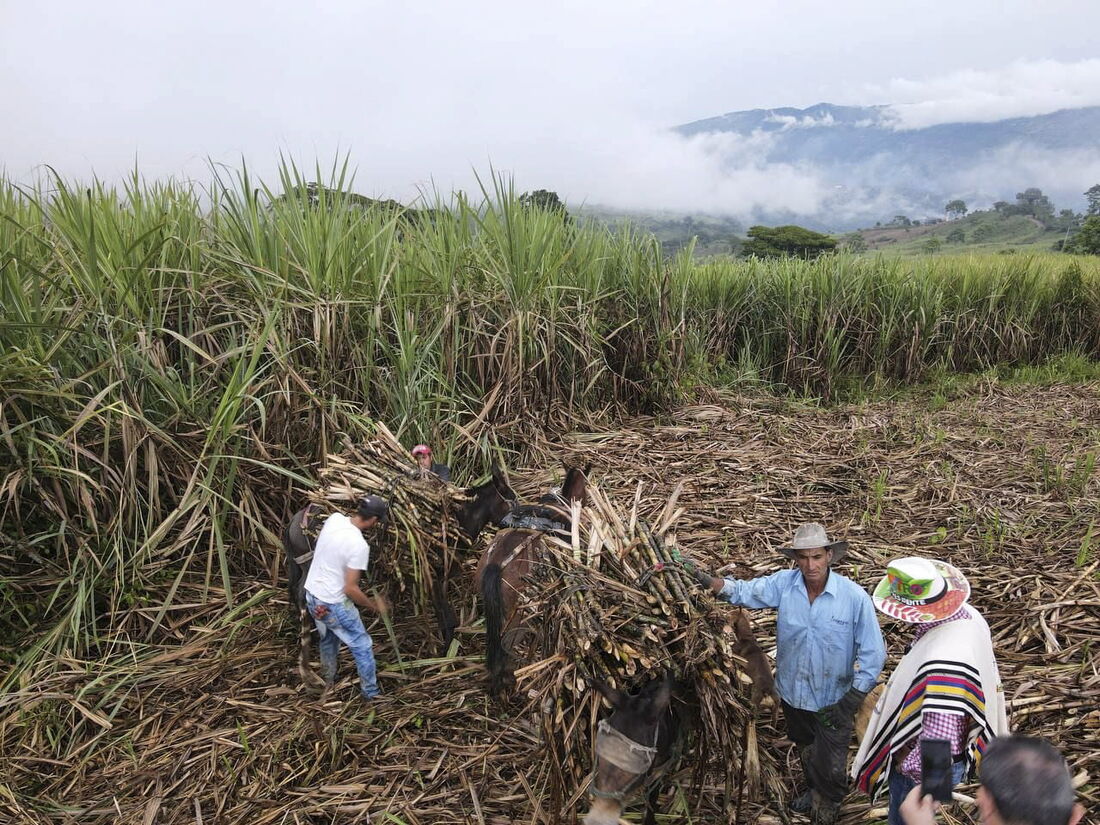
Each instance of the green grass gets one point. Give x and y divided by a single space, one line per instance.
940 385
174 362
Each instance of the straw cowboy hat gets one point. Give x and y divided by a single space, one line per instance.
810 536
921 591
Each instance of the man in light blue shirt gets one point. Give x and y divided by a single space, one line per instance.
829 653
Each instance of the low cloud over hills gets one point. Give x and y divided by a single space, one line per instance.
867 162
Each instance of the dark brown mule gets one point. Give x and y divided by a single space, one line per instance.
633 750
508 559
486 503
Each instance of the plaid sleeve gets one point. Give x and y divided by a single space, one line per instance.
936 725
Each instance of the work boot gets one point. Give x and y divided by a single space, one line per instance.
802 804
825 812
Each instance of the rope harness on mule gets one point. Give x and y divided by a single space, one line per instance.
531 522
544 516
536 518
519 548
629 756
308 524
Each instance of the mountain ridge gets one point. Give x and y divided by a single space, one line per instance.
876 166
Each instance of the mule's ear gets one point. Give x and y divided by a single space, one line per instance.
498 477
616 697
661 698
587 469
573 487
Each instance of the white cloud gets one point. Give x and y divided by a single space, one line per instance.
721 173
623 162
576 97
1019 89
1063 175
806 122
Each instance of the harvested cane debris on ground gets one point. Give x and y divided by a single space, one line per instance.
208 722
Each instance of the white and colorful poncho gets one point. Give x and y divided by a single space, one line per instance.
950 669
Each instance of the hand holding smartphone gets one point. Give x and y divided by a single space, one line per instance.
935 769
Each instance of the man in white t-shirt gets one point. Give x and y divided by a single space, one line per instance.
332 591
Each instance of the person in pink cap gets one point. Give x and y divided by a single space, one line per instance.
946 686
423 455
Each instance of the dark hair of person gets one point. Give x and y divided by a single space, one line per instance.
1029 781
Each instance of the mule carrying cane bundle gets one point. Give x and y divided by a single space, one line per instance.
617 603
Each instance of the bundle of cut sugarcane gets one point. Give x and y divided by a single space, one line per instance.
422 526
618 603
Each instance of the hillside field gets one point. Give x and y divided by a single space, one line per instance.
985 233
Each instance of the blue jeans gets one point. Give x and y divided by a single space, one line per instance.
901 785
342 623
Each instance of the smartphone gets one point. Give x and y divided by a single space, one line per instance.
935 769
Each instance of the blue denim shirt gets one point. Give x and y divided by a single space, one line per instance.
822 649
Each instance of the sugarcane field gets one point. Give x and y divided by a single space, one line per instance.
573 475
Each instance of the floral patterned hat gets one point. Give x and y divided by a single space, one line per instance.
921 591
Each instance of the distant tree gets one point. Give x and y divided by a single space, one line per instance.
932 245
900 220
1002 207
955 209
313 195
1033 202
983 233
854 242
1092 195
1067 221
547 201
786 241
956 235
1030 196
1086 241
916 222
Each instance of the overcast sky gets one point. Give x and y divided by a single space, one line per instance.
574 96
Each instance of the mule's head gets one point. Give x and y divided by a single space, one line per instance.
575 486
636 719
500 504
488 502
